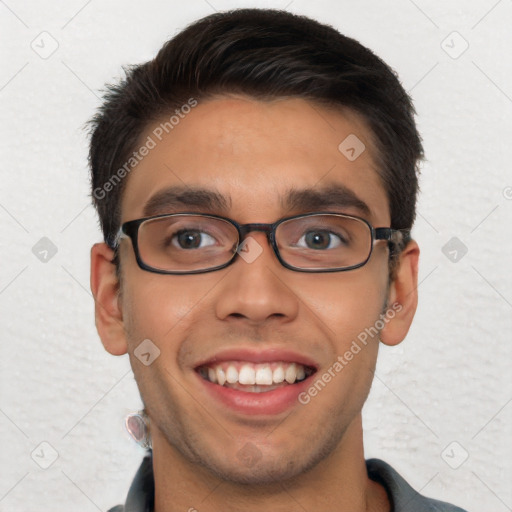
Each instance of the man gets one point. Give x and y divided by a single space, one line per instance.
256 186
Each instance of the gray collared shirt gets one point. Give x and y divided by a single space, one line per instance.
403 498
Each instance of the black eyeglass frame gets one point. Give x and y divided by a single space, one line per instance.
130 229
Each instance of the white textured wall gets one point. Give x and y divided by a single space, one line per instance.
448 382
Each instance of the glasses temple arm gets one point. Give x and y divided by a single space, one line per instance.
114 242
396 236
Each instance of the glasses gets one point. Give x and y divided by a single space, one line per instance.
193 243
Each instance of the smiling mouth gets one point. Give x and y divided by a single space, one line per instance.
255 377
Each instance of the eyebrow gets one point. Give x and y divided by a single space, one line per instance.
329 197
180 197
176 198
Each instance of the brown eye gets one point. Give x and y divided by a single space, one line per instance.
191 239
321 239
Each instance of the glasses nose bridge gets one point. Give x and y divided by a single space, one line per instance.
268 229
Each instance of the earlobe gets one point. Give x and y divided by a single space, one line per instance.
105 290
402 296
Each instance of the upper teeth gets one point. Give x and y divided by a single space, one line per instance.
262 374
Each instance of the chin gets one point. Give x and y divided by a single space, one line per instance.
251 467
262 472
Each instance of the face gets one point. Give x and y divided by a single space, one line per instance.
258 313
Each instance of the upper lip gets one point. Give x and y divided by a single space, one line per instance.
267 355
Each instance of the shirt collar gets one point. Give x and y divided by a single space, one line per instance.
141 496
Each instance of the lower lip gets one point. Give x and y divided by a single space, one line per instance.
265 403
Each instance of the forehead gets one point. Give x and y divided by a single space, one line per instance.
257 157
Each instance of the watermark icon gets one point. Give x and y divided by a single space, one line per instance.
45 45
351 147
454 45
44 250
454 249
249 249
342 361
507 193
455 455
151 142
44 455
146 352
249 454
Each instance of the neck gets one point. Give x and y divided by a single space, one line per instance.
339 482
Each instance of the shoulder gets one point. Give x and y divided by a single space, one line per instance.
141 495
402 496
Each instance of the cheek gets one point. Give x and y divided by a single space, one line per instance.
349 306
347 303
160 308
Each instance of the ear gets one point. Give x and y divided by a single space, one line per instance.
402 296
105 290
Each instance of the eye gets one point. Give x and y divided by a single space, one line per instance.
320 239
192 239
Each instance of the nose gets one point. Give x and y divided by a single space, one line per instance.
256 290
